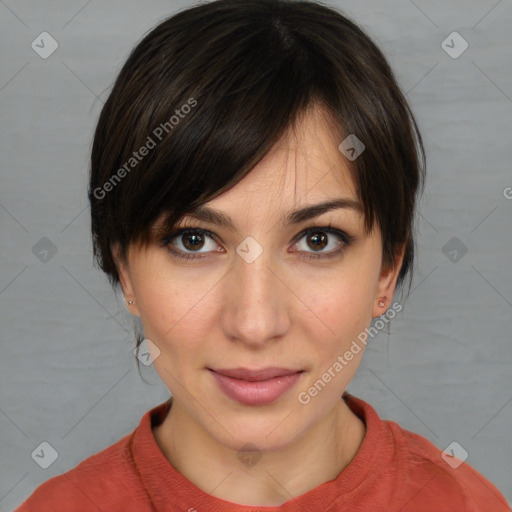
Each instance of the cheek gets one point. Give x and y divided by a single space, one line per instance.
343 310
342 297
179 305
174 304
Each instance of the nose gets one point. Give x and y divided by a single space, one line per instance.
257 302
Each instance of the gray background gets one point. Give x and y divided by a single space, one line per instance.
68 374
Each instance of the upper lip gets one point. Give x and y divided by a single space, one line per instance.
255 375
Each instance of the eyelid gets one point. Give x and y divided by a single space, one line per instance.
327 229
184 229
167 239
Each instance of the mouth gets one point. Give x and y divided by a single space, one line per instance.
255 387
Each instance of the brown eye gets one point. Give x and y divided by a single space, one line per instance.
188 243
192 241
318 240
312 242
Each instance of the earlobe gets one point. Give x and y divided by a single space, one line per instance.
132 307
387 283
125 280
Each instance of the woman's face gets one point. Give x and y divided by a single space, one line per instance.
262 294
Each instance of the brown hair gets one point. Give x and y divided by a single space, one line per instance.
209 91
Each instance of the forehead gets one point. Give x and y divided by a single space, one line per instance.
304 166
294 182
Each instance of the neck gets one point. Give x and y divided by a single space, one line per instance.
317 457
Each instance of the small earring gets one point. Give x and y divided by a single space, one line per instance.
382 303
130 302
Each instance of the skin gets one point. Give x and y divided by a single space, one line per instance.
280 310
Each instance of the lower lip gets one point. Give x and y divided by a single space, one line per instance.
256 392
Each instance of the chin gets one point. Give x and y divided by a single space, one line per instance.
267 432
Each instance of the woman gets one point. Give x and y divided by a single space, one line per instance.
253 186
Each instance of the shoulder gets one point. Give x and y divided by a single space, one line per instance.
440 479
100 482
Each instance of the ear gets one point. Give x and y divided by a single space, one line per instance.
125 279
387 283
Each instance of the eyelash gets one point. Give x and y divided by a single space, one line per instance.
345 238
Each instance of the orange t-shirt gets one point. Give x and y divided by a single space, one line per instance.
394 470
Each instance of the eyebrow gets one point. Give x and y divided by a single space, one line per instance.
212 216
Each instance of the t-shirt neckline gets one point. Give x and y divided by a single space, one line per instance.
165 485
